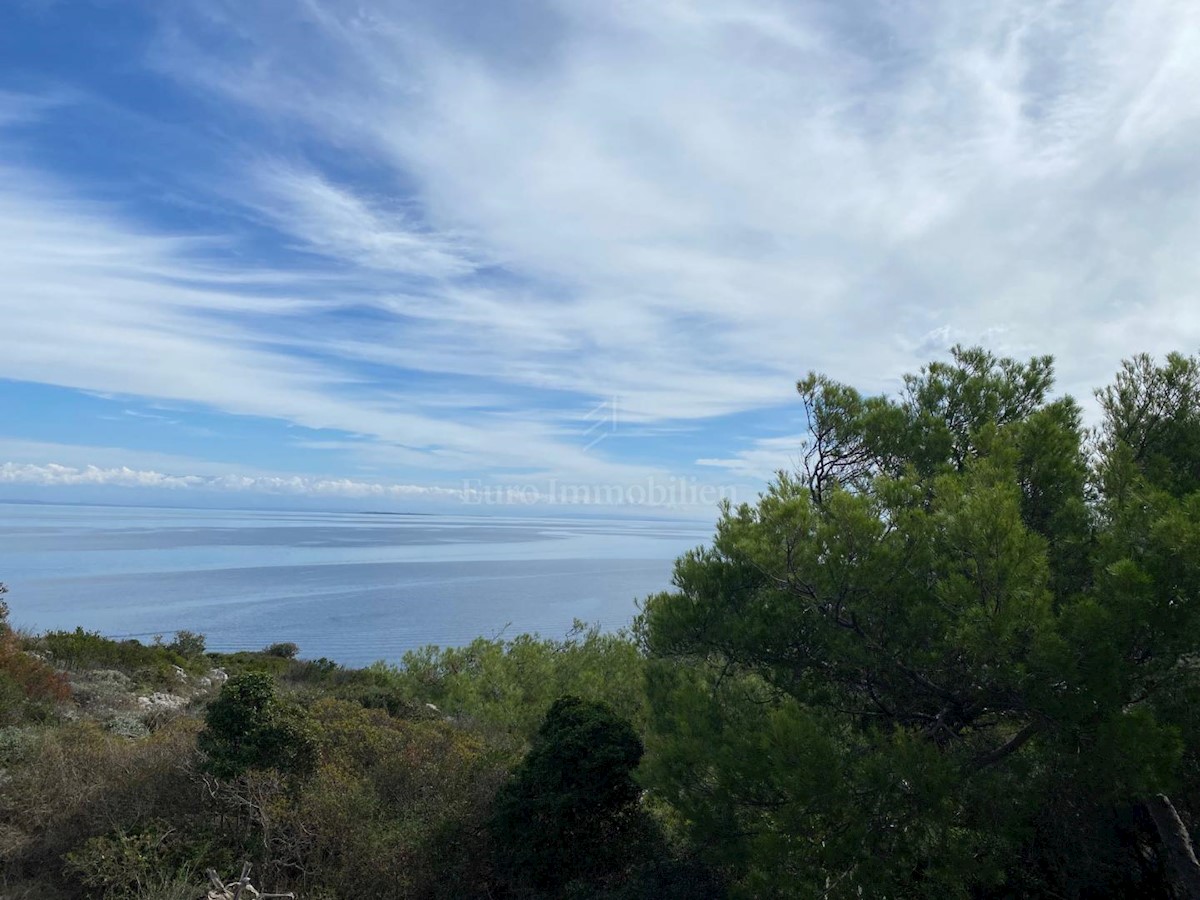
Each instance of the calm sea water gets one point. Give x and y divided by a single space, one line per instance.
355 587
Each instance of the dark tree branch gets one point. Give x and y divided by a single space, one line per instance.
1182 868
1009 747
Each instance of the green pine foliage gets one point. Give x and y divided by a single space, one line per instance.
905 669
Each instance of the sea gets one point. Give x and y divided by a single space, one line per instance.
353 587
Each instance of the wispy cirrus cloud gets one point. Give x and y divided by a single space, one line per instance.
536 206
374 233
763 459
94 302
721 197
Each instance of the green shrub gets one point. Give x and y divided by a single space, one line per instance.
188 644
12 700
390 699
127 725
74 782
101 690
315 670
17 744
147 862
155 663
395 809
248 727
244 661
508 685
571 811
283 649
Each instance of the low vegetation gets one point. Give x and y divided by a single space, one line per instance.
147 764
956 655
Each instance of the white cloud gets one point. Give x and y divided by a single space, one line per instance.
761 461
334 221
715 198
81 456
55 475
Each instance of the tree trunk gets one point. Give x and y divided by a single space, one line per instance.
1183 871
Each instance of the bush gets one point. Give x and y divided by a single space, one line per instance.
508 685
316 670
244 661
37 680
17 744
395 809
28 686
81 649
283 649
188 644
571 811
12 700
392 700
133 865
77 782
102 690
127 725
248 727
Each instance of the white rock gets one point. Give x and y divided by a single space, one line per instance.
218 676
180 675
160 700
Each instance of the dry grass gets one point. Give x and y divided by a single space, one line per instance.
87 782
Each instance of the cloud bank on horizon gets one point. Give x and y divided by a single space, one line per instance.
418 245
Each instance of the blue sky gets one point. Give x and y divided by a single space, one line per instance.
389 254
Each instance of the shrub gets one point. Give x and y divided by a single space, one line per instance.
248 727
316 670
17 744
78 782
251 661
155 663
37 680
394 809
375 687
188 644
102 690
392 700
571 811
132 865
127 725
28 686
12 700
508 685
283 649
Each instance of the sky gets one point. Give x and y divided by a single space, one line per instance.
467 256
